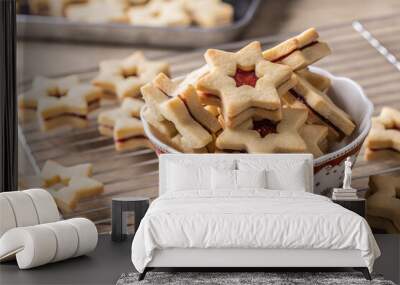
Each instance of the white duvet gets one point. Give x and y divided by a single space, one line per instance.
250 219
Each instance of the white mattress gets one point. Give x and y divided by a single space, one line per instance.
256 219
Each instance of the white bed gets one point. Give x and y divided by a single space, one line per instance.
282 226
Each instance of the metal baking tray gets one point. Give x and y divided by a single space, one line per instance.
61 29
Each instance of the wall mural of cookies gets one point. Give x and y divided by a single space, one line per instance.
248 100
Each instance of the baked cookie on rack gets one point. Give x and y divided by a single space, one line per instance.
383 141
383 202
124 125
53 172
71 109
125 77
42 87
69 184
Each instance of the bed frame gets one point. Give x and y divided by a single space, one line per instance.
236 258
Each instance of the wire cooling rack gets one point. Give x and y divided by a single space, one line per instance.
367 51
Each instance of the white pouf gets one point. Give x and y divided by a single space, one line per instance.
23 208
45 205
40 244
26 208
7 218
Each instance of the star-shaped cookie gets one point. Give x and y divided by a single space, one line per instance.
300 51
125 77
243 79
266 136
181 106
384 136
43 86
323 106
124 125
383 202
315 137
71 109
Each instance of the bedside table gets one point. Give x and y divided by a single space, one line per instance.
357 205
120 207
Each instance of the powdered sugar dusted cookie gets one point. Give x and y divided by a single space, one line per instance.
243 79
384 137
71 109
43 86
124 125
125 77
266 136
300 51
209 13
160 13
315 137
323 107
98 11
383 204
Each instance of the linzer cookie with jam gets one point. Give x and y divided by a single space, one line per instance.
43 86
125 77
267 136
71 110
290 101
177 104
243 80
323 107
124 125
383 141
300 51
315 137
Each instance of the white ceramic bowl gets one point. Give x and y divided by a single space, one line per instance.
329 168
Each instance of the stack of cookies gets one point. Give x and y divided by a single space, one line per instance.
250 101
171 13
59 102
122 79
383 141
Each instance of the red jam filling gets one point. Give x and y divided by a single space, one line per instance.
264 127
129 138
68 115
243 77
